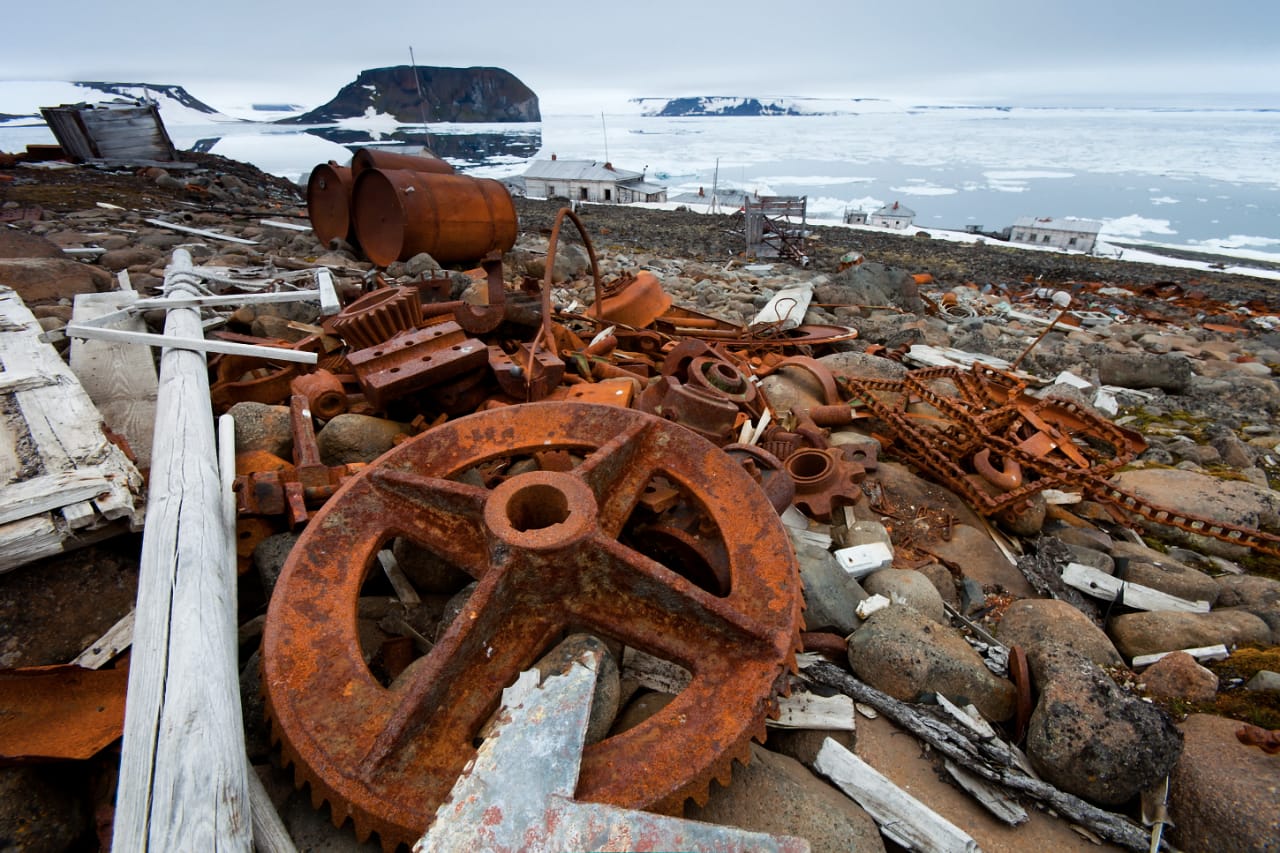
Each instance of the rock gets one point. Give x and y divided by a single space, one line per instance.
17 244
978 557
1085 537
778 795
39 811
269 556
1169 372
1247 591
831 594
857 365
1167 630
1091 558
1179 676
276 328
902 586
1227 501
903 653
1091 739
453 607
791 389
804 744
1038 624
357 438
1264 679
47 279
943 581
604 701
421 264
119 259
640 709
1224 797
428 573
253 708
263 427
872 283
1149 567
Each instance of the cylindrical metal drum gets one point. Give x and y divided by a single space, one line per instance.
377 158
329 202
399 214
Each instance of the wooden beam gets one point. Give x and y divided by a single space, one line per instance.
1101 585
200 232
183 768
194 342
118 638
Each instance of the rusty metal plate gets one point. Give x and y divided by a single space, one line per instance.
412 361
547 547
60 712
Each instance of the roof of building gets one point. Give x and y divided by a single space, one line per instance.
644 187
1048 223
578 170
894 209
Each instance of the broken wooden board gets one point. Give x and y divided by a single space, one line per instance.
120 378
786 309
1101 585
63 482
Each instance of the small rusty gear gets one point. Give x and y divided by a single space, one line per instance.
545 548
378 316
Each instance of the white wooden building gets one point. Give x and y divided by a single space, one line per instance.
893 216
589 180
1079 235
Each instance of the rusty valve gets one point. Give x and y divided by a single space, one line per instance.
545 547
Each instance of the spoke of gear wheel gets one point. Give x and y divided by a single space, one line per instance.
544 547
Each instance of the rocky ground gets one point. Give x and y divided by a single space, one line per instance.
1185 359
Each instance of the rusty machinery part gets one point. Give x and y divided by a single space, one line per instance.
378 316
1020 675
709 415
414 360
375 158
250 379
767 470
824 480
324 392
453 218
679 357
722 377
479 319
820 372
1046 465
633 300
329 202
291 491
552 550
831 646
1267 741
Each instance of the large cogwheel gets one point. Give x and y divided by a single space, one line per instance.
571 517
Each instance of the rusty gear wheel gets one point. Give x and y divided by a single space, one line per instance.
548 548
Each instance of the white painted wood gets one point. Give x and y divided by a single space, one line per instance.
269 832
1200 653
900 816
289 226
21 380
30 539
183 768
79 515
399 580
119 378
806 710
197 344
787 308
123 282
53 491
1101 585
329 302
102 650
200 232
993 799
237 299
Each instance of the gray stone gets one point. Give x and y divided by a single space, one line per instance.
604 701
262 427
902 586
903 653
978 557
804 744
1092 739
1084 537
943 581
428 573
1224 797
357 438
778 795
1148 567
1167 630
253 709
1091 558
857 365
639 709
1264 679
831 594
139 256
792 389
18 244
1169 372
1039 624
269 557
421 264
1247 591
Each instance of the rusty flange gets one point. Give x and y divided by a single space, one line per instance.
544 546
825 479
710 415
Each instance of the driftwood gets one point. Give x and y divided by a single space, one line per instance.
991 760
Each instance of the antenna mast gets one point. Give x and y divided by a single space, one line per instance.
605 132
422 103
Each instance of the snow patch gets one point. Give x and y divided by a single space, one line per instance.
1134 225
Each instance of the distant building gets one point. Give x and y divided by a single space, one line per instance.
855 217
893 216
588 180
1079 235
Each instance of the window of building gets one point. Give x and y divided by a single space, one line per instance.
1071 242
551 189
1044 239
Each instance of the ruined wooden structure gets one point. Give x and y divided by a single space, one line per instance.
132 132
775 227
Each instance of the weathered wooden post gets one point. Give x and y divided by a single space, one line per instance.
183 771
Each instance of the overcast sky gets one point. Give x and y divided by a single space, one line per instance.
233 51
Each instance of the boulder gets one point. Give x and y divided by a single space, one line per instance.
1247 591
1169 372
979 559
858 365
872 284
905 654
119 259
903 586
778 795
18 244
1179 676
1038 624
831 594
1168 630
49 279
262 427
357 438
1091 739
1149 567
1224 797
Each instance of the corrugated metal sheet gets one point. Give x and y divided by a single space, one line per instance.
1048 223
110 132
577 170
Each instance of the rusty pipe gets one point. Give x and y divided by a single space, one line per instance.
454 218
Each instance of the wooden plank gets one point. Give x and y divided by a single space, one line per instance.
1200 653
787 308
269 832
993 799
806 710
901 817
197 344
118 377
654 673
22 380
399 580
28 539
183 768
214 235
102 650
53 491
1101 585
79 515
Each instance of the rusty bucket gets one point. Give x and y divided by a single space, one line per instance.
374 158
329 202
399 213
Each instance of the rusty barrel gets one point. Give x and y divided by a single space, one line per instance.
375 158
329 202
454 218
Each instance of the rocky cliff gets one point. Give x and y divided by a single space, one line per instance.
448 94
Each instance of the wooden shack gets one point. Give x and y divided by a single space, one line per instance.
129 131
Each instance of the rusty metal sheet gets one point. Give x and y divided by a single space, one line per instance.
60 712
414 360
